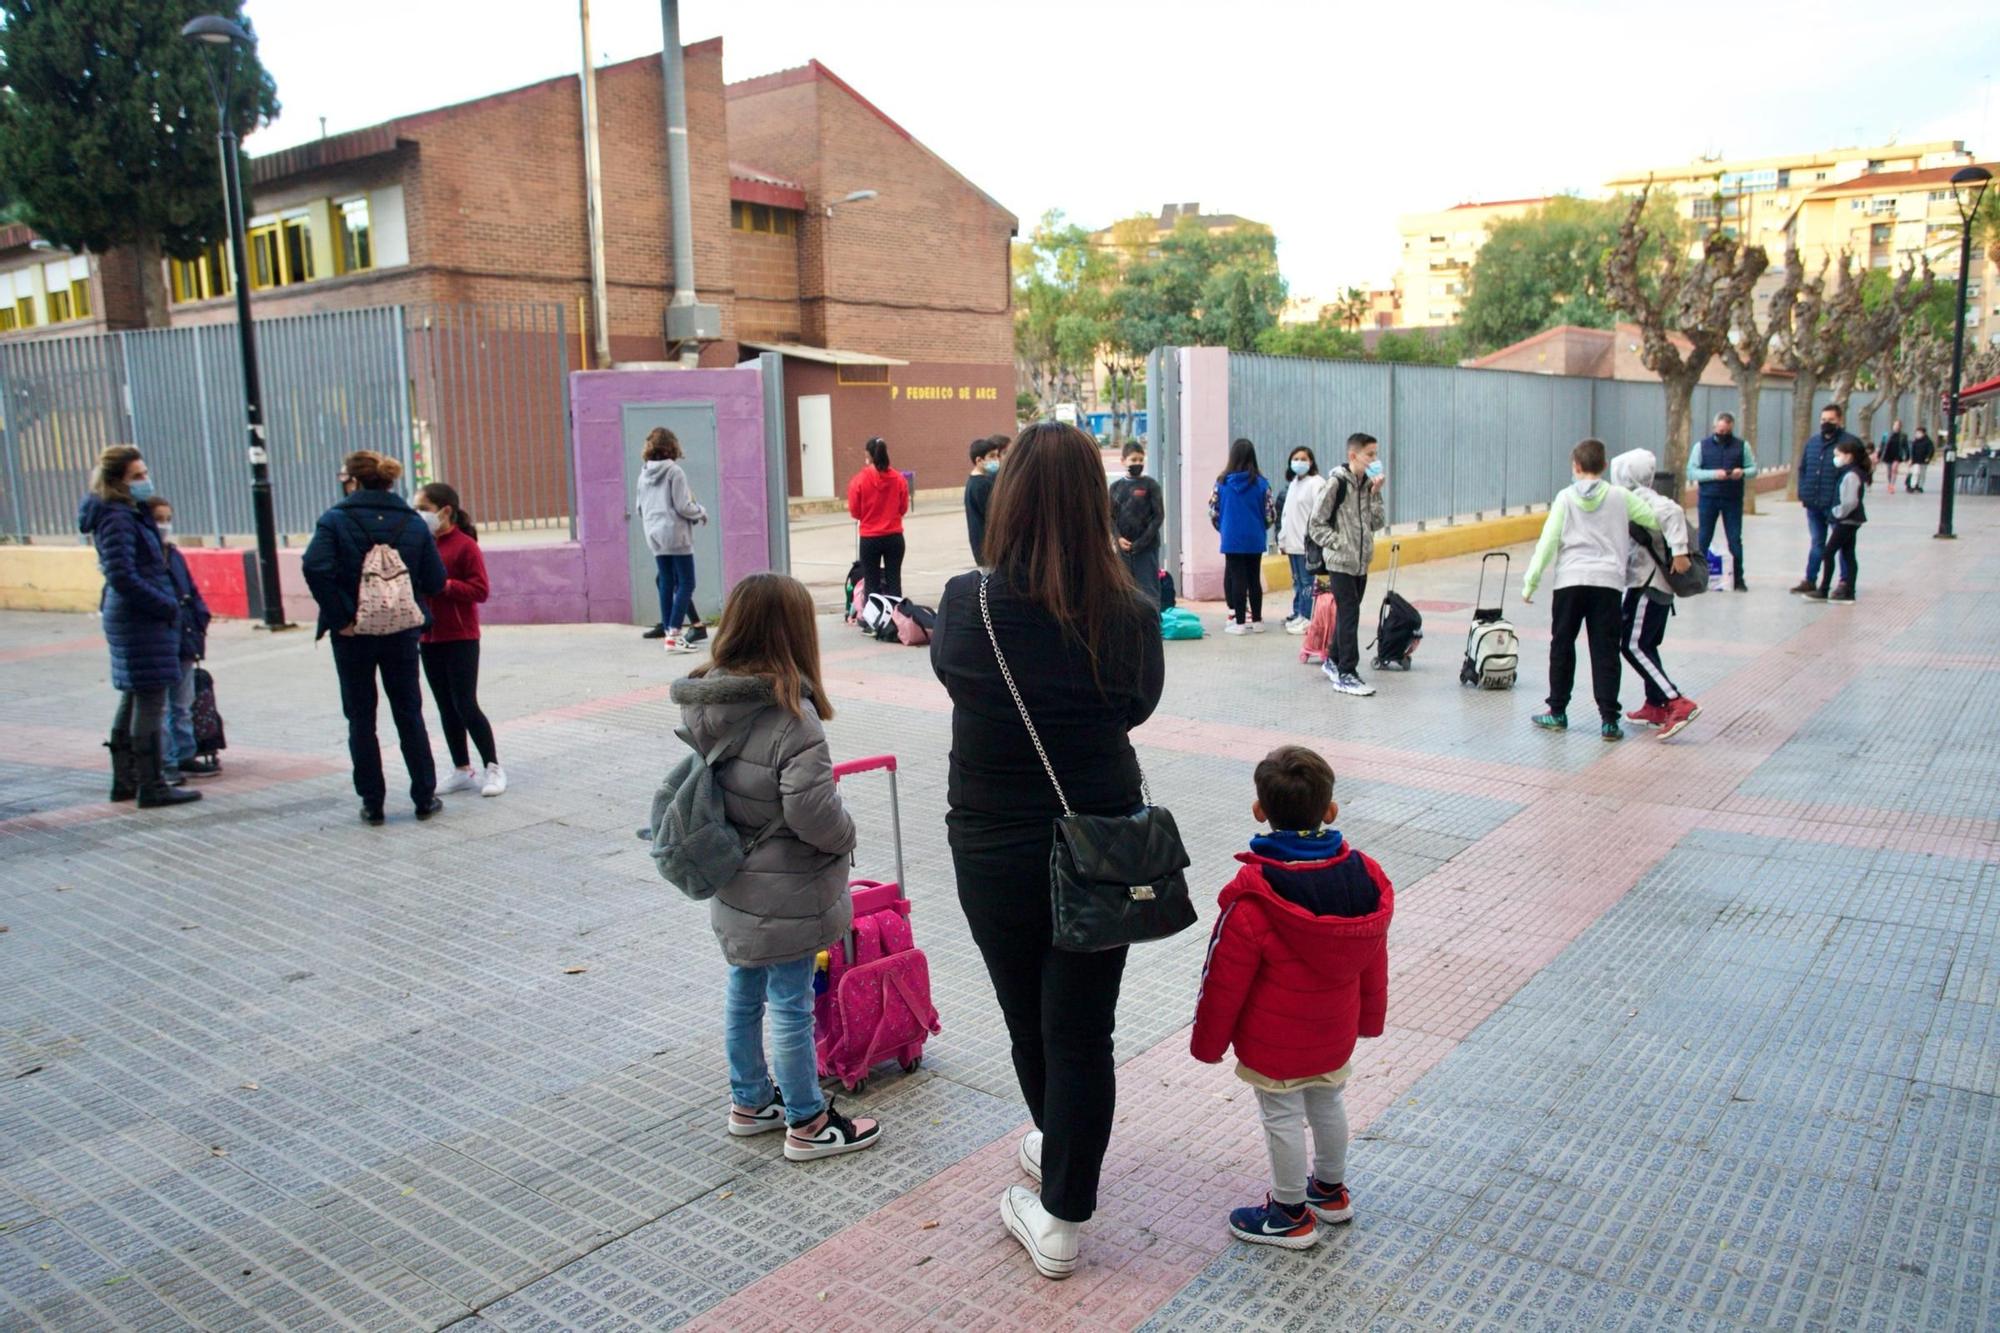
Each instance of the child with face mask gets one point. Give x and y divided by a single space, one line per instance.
1296 504
179 760
450 646
1136 515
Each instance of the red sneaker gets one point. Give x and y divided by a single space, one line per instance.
1679 713
1651 715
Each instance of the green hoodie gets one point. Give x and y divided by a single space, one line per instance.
1589 540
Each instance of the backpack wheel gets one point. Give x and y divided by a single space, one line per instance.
912 1065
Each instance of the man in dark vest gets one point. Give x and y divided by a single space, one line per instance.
1819 487
1719 466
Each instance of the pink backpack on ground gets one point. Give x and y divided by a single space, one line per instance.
1319 634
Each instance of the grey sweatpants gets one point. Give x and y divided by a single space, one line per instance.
1286 1115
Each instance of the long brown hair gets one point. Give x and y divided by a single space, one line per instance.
768 630
1049 534
107 480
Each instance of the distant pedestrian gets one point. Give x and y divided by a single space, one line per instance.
140 612
1894 453
789 900
1297 502
669 511
1242 509
1922 450
1720 467
177 742
878 497
1062 601
1136 515
1649 600
1844 518
372 515
1297 972
1819 486
1349 515
451 644
1587 538
986 456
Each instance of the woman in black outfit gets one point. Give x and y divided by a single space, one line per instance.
1087 657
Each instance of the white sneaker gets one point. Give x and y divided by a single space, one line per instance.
461 779
671 644
1030 1155
1349 683
496 781
1233 628
1049 1241
1297 625
1256 627
682 645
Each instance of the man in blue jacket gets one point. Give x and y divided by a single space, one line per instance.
1719 467
1819 490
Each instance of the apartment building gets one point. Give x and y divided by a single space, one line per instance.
1435 268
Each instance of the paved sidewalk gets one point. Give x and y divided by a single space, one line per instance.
1693 1035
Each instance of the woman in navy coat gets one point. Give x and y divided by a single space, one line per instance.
141 613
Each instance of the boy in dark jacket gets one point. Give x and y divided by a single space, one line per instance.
1136 515
986 453
177 744
1819 487
1298 969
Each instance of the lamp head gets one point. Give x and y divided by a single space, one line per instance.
214 30
1967 185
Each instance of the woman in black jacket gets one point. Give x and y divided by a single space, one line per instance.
1136 515
141 615
1087 658
374 515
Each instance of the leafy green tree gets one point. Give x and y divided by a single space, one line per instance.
1321 340
1202 289
1418 347
107 136
1547 268
1061 309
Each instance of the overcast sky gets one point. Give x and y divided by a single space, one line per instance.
1325 118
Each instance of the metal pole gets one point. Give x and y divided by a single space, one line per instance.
1957 371
10 442
253 389
677 166
593 187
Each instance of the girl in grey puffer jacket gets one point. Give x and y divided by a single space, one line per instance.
790 899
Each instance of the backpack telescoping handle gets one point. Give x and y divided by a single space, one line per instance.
885 762
1506 572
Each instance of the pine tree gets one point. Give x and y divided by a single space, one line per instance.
107 127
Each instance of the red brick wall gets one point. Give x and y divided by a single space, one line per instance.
767 286
927 432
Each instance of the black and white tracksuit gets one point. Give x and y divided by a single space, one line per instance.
1642 625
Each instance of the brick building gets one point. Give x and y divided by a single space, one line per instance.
880 305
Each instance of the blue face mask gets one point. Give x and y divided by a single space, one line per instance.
142 491
1374 470
992 467
1300 467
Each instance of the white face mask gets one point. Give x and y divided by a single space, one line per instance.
433 519
166 532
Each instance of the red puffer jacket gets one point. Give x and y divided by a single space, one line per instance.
1291 989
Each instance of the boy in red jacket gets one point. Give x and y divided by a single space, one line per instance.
1298 968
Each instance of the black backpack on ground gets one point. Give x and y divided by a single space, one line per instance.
1399 627
208 737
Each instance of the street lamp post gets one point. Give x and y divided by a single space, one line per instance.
1967 185
218 39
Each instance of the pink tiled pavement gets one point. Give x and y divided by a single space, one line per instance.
1466 937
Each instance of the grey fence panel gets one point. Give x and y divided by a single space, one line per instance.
1774 427
1478 443
1571 421
64 404
1421 443
333 385
1285 402
1532 430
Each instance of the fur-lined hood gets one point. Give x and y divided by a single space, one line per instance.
721 689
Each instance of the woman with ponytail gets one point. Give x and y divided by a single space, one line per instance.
451 644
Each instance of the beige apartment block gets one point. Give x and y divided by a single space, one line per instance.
1434 272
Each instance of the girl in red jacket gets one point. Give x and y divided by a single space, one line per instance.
878 497
451 644
1298 968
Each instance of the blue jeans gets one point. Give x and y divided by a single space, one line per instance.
1302 588
1816 526
177 724
674 576
787 990
1730 510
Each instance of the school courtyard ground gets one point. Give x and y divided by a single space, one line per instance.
1702 1034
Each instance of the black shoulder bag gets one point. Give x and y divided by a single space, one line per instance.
1114 880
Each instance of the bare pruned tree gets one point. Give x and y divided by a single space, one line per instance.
1748 350
1684 309
1817 349
1872 336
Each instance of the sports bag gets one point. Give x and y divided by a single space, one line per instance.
1178 623
1492 656
208 737
695 847
877 1004
1694 581
1113 879
857 593
914 623
386 603
877 616
1166 591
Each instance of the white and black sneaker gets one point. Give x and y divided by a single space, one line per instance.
1349 682
1049 1241
744 1122
829 1136
1030 1155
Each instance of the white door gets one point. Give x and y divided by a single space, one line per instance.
816 445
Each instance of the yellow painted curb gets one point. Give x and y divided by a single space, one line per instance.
49 578
1432 544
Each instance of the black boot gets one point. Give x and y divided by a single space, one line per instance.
153 788
124 767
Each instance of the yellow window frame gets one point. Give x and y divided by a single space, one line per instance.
24 310
8 323
79 297
59 307
360 240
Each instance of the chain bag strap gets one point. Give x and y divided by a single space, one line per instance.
1114 880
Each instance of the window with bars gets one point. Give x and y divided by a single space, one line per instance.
862 374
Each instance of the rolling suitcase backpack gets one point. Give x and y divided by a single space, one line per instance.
1319 631
874 994
1399 627
1492 649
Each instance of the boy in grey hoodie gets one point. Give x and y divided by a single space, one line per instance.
1649 600
1589 540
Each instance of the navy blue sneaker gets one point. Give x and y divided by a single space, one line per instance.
1329 1203
1289 1226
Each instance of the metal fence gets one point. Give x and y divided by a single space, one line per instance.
1461 442
471 394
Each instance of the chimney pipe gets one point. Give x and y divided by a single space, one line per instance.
677 172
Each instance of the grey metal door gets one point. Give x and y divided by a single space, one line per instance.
693 424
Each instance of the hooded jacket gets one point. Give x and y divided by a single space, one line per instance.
341 542
667 507
1243 502
878 498
1634 471
1819 487
1291 987
1297 504
1922 447
789 900
195 614
1345 521
1587 537
140 610
1137 511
